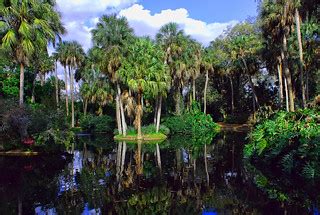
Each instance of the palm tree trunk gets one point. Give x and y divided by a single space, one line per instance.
206 164
123 119
301 64
41 79
193 89
287 95
178 110
118 114
33 99
158 157
85 108
279 67
250 81
72 96
232 95
156 112
138 115
123 156
284 56
56 83
118 161
205 93
21 85
66 87
159 113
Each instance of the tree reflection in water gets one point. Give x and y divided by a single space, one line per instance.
178 176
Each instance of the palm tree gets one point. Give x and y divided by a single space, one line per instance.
30 25
61 53
112 35
174 43
145 72
56 83
194 50
277 19
75 56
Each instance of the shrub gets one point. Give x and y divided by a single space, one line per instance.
194 123
290 141
92 123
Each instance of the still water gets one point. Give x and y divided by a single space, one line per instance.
177 176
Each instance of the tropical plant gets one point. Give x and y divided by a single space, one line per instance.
112 36
27 26
144 72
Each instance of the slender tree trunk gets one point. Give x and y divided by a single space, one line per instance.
284 56
279 66
21 85
287 95
156 111
33 98
41 79
250 81
118 161
206 164
159 113
123 119
178 94
193 89
232 95
139 169
205 93
72 96
123 156
118 114
85 108
66 86
56 83
158 157
307 85
301 64
138 116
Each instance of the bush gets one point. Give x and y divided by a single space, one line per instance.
92 123
37 122
194 123
289 141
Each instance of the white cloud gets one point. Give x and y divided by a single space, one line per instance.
145 23
80 16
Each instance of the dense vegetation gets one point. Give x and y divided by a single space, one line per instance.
263 71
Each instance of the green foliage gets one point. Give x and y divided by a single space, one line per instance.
92 123
9 85
148 129
290 141
194 123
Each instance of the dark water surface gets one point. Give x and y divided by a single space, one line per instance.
177 176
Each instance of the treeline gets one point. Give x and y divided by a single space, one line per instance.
270 61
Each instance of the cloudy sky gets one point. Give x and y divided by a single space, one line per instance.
204 20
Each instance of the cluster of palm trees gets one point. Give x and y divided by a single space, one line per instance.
134 71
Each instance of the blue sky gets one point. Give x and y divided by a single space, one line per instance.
204 20
207 10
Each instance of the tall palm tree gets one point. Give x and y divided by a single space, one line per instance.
194 50
277 19
61 53
112 35
56 83
75 56
145 72
174 43
30 25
